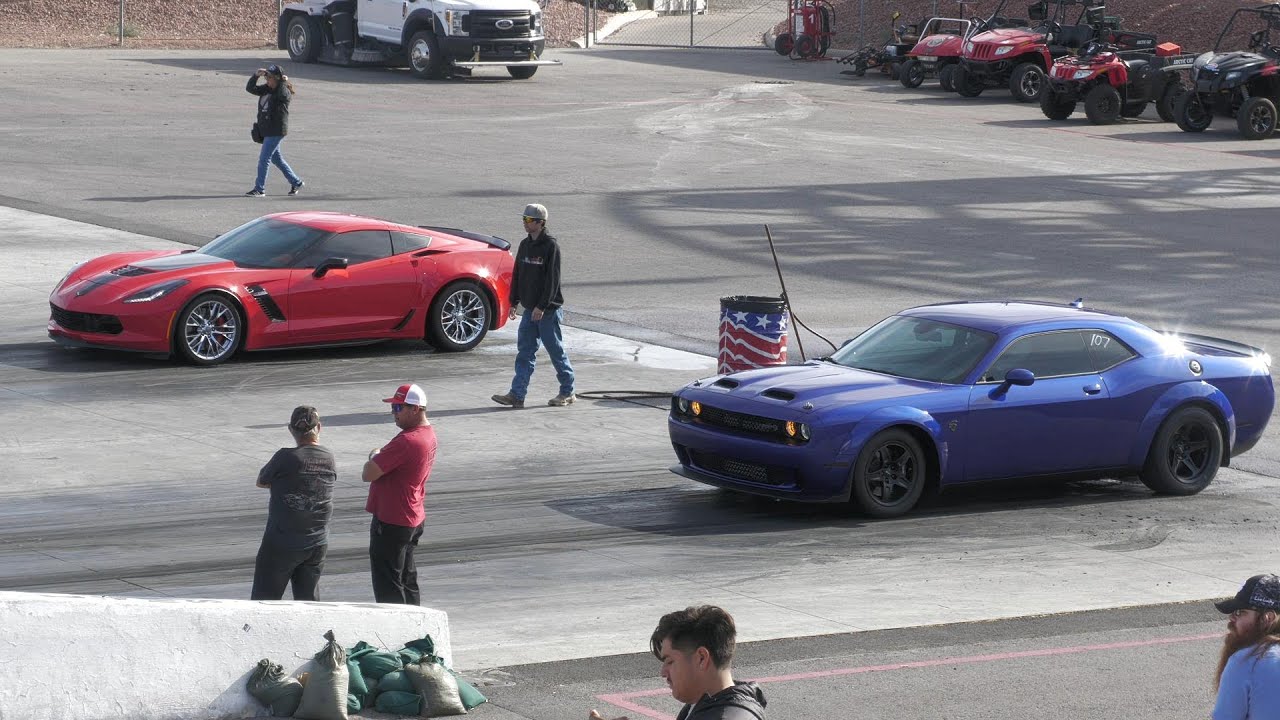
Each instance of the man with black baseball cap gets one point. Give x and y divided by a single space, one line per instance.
296 539
1248 677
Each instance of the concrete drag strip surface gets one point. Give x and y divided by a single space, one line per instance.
552 533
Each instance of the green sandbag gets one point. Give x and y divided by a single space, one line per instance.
378 663
411 656
361 649
395 681
273 688
471 697
424 645
356 684
354 704
398 702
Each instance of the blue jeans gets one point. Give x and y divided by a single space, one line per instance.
547 332
271 154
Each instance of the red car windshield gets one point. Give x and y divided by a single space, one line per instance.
264 243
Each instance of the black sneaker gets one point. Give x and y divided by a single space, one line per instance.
296 188
255 193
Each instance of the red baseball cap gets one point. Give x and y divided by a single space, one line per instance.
409 394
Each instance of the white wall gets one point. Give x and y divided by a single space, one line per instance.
75 657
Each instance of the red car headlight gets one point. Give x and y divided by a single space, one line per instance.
155 292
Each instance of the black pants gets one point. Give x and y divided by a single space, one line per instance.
395 576
276 568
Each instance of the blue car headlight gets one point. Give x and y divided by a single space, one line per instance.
797 431
682 405
155 292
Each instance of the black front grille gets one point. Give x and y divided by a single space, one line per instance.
499 24
741 469
741 421
86 322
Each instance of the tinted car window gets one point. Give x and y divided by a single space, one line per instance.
357 246
404 242
1106 349
1046 354
263 243
917 348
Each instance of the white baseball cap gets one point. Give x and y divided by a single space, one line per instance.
409 394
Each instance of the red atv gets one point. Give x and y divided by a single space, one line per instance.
1115 83
1020 58
937 54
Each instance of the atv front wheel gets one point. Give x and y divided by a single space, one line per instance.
1191 114
1027 82
911 74
1257 118
1133 109
1056 106
966 83
946 78
1102 104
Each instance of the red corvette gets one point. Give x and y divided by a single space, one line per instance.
293 279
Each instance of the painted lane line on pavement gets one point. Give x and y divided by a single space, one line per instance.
624 700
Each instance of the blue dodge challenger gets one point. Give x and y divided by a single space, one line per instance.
970 391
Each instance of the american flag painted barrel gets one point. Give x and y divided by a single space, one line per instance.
753 332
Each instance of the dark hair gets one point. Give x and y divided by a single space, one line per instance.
705 626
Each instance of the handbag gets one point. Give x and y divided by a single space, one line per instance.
255 132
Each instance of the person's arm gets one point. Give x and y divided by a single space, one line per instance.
385 460
514 293
1233 690
267 472
371 470
253 85
550 278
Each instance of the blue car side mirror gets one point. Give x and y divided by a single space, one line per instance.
1019 376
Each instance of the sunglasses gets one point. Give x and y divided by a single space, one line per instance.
396 407
529 219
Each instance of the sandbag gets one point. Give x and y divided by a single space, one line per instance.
324 697
395 681
356 685
374 663
397 702
470 696
354 704
411 656
438 689
271 687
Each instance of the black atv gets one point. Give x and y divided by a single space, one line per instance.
1244 84
887 57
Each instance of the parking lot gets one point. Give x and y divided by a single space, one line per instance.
555 535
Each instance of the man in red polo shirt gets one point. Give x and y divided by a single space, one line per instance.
397 476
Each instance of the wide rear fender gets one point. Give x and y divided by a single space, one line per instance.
1195 392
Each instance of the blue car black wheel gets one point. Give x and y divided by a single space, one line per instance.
890 474
1186 453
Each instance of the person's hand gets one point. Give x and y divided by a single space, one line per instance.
593 715
260 72
512 315
537 314
374 452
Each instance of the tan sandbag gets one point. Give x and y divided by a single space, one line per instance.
324 695
438 689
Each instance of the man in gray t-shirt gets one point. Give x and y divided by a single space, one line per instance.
296 539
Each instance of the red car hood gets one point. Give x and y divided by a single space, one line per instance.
112 277
1007 36
940 45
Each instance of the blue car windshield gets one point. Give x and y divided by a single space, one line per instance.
263 243
917 348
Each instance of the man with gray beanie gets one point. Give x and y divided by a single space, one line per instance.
296 539
535 290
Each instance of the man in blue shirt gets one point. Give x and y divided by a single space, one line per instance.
1248 678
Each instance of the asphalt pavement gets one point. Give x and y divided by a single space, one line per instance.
557 535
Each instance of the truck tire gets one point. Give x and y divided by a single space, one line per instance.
1102 104
425 60
522 72
303 39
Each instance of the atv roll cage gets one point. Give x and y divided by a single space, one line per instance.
1264 41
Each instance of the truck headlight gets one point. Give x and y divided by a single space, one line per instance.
535 23
454 21
1004 50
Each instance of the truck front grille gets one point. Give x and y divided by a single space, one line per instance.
498 24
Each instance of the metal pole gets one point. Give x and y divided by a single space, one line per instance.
785 301
122 23
935 10
691 5
586 22
861 24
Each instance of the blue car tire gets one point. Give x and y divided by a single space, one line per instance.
890 474
1185 454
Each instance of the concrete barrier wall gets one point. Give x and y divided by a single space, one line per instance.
75 657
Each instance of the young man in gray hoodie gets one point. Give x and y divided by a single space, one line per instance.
695 647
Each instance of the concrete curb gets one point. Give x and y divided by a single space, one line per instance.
78 657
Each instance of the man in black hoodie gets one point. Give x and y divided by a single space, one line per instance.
695 646
535 287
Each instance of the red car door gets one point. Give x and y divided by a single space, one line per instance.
369 298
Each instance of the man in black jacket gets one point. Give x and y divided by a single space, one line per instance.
535 287
695 646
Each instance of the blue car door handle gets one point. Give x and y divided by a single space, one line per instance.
1093 389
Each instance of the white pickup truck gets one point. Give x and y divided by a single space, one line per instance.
434 38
